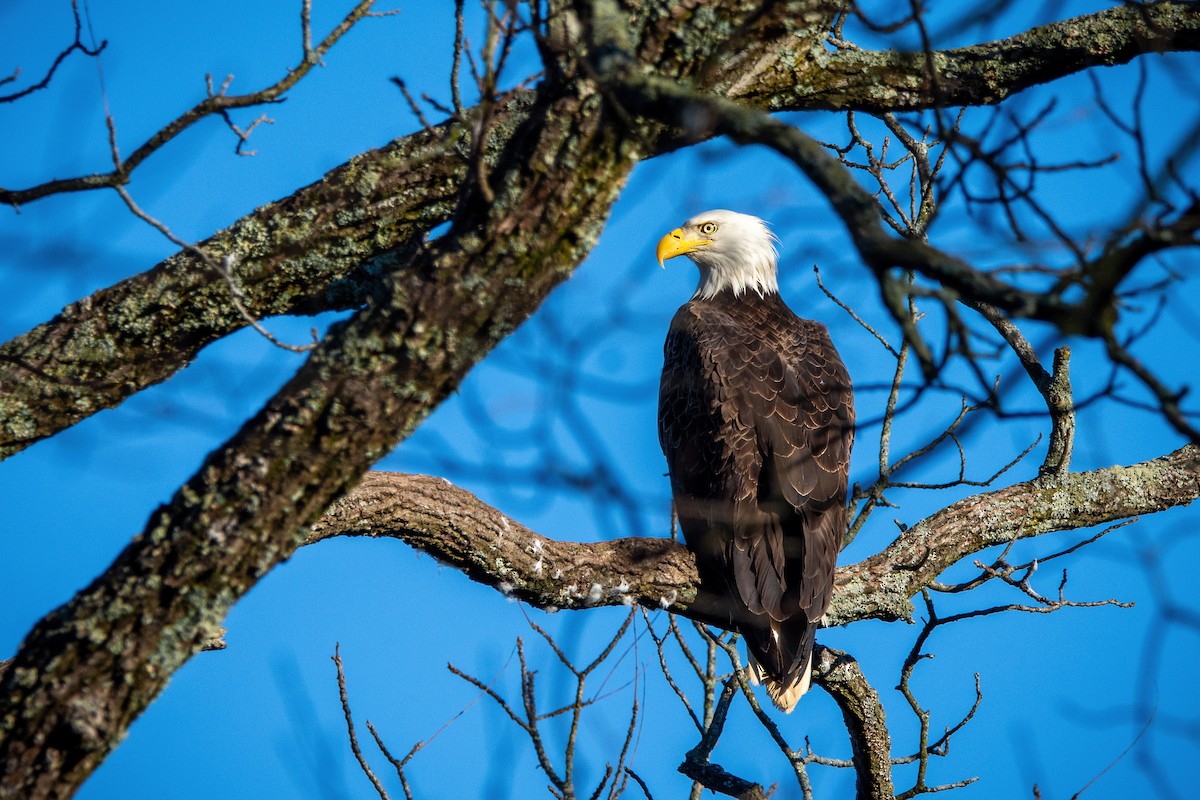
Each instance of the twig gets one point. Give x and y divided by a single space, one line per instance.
530 719
77 44
660 644
398 764
924 750
224 268
853 314
794 757
1123 753
358 755
1168 400
218 103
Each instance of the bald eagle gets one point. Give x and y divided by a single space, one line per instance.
756 419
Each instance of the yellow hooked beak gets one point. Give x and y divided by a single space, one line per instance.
676 243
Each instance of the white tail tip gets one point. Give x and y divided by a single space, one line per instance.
786 697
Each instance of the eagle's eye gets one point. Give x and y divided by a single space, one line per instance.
708 228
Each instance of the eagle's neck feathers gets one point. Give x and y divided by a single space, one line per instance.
738 274
741 258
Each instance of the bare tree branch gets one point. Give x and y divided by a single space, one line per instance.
839 674
460 530
353 736
217 102
981 74
367 385
303 254
76 45
1055 389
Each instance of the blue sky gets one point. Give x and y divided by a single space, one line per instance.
1065 693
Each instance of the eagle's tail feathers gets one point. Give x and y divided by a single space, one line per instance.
784 696
787 689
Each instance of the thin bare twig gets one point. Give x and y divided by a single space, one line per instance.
530 718
224 268
77 44
358 754
218 103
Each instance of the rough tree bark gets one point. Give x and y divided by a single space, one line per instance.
462 531
557 157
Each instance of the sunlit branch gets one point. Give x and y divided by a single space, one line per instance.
463 532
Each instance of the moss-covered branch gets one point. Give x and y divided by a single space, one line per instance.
463 532
88 669
325 246
866 723
848 78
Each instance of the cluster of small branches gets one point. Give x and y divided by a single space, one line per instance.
533 721
217 101
504 25
398 764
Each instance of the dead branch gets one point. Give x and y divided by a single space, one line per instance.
76 45
698 766
218 102
530 718
358 754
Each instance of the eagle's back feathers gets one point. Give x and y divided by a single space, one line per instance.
756 419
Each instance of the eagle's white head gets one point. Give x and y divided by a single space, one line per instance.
733 251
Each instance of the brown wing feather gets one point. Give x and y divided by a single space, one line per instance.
756 420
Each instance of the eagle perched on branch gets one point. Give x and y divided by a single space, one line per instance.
756 419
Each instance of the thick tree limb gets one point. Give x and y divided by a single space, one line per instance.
871 744
288 260
982 74
880 587
325 247
462 531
